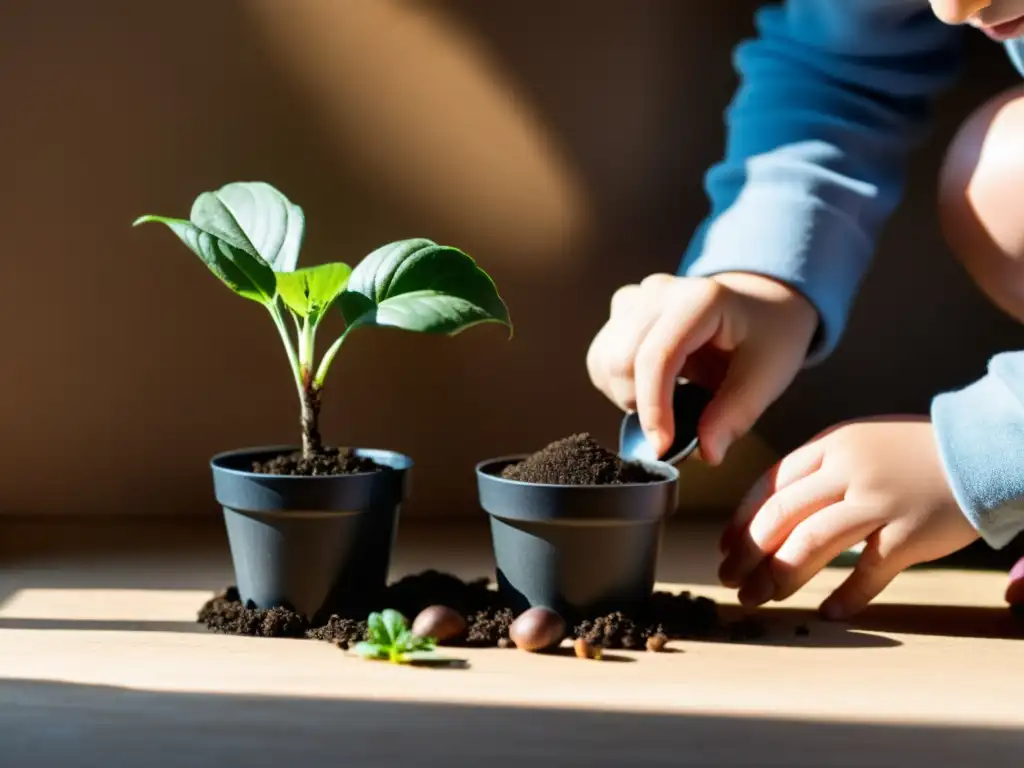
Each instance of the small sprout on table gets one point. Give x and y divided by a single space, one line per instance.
392 640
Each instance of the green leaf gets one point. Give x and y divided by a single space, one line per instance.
420 286
309 292
378 631
394 624
245 275
370 650
256 218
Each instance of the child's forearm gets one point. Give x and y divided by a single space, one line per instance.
833 96
980 431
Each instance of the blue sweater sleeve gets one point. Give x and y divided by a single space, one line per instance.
833 95
980 431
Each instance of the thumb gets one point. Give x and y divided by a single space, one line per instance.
756 377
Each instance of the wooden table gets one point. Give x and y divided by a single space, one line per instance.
102 664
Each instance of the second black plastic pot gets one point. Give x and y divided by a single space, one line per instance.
318 545
579 550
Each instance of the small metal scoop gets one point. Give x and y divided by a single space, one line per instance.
688 402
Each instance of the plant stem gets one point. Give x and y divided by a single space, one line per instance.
327 359
311 442
293 359
310 395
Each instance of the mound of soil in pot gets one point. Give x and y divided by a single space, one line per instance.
328 462
673 616
578 460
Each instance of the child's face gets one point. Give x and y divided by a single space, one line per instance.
999 19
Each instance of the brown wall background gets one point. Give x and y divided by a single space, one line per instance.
562 144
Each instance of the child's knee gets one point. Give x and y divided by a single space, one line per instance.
981 199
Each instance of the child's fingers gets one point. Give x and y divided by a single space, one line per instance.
612 355
783 513
756 377
689 323
817 541
872 574
797 465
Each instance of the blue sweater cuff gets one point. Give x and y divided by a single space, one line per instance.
980 433
795 238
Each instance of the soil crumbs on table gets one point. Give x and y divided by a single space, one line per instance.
578 460
327 462
674 616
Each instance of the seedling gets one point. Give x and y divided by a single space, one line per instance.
392 640
249 235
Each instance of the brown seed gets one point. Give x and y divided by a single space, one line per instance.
439 622
656 643
537 629
504 642
585 650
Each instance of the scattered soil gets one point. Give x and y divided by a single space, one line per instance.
672 616
328 462
578 460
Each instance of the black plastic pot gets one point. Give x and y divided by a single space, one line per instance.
318 545
576 549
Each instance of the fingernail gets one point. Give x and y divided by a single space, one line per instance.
832 610
757 593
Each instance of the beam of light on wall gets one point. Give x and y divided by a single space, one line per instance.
421 108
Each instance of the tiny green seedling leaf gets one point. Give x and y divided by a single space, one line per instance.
370 650
246 275
392 640
394 624
309 292
378 632
256 218
418 285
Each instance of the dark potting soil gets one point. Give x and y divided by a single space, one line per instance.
488 619
578 460
327 462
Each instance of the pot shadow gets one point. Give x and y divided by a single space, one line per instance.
184 627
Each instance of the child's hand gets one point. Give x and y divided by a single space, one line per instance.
879 481
741 335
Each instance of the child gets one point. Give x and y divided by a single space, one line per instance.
834 95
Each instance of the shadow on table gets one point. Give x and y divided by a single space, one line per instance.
44 724
931 620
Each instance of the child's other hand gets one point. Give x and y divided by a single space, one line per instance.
741 335
879 481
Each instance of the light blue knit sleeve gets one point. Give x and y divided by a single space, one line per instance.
833 96
980 431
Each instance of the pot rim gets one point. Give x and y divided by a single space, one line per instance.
217 462
660 467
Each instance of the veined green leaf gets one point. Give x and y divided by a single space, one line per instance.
378 631
394 624
420 286
254 217
241 272
309 292
370 650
